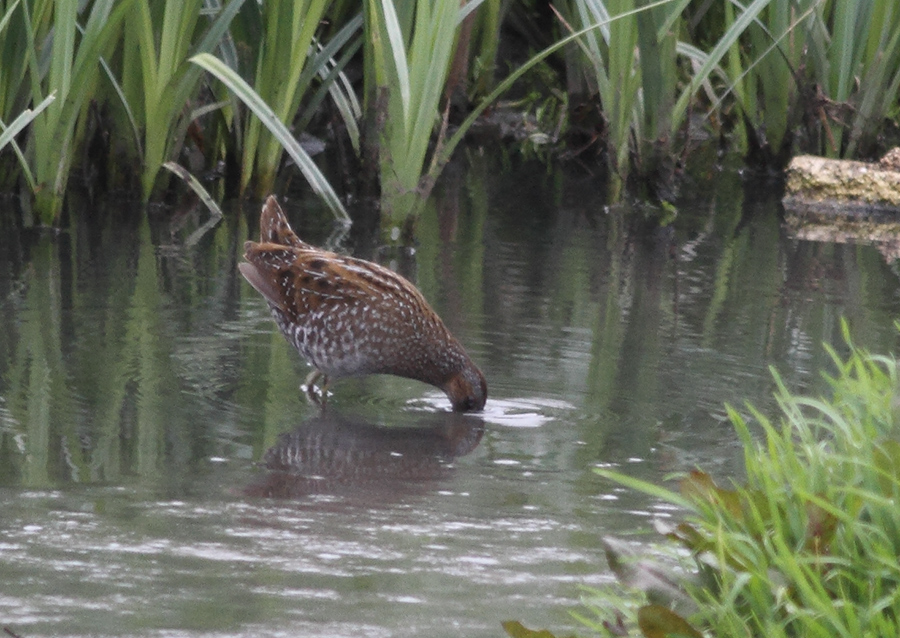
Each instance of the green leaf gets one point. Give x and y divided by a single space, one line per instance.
656 621
9 133
718 52
442 156
267 117
24 119
195 186
646 487
699 486
6 16
517 630
886 458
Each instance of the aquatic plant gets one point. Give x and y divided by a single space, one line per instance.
411 47
771 77
286 57
855 51
473 72
148 87
10 95
632 58
765 89
59 57
445 144
811 75
158 82
22 120
249 97
809 545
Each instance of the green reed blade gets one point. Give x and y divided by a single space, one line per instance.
9 133
120 93
410 56
444 153
324 54
429 57
267 117
8 15
23 120
779 78
335 83
284 65
721 48
332 79
12 67
169 81
195 185
344 97
72 73
396 47
879 78
63 53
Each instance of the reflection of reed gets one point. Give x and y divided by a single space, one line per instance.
332 453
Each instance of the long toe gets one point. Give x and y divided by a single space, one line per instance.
311 380
317 396
313 395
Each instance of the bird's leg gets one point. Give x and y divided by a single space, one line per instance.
316 396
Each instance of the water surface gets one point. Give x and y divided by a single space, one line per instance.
161 474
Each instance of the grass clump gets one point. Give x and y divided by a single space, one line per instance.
809 545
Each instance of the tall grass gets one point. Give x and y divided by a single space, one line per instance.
639 66
62 60
814 76
406 182
285 62
411 46
15 93
148 91
610 52
277 128
484 44
783 75
11 78
810 544
22 120
766 92
856 52
159 82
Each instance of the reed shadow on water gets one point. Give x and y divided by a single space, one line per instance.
348 456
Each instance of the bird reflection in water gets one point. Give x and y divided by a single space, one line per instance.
336 454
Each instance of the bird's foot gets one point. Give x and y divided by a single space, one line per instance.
316 395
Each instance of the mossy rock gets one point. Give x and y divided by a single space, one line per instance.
844 201
835 184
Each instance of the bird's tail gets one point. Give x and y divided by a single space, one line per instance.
274 227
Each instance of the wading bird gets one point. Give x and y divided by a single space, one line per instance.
350 317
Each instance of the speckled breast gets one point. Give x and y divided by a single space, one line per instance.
352 337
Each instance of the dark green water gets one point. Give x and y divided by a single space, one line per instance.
142 383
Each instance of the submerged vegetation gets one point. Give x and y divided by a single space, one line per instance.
391 88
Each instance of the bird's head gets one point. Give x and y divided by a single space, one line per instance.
467 389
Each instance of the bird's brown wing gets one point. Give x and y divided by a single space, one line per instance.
328 277
299 281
